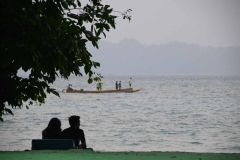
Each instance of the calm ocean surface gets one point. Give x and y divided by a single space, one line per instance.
171 113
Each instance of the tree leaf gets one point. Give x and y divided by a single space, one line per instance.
64 4
78 3
8 111
90 80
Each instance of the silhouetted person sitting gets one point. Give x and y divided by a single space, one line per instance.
69 87
53 130
75 133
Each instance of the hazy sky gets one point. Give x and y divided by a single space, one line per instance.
203 22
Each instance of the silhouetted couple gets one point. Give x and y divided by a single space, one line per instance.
54 131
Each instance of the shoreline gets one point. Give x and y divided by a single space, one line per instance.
101 155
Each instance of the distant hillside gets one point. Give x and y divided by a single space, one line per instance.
132 58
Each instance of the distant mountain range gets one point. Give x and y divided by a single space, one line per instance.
129 57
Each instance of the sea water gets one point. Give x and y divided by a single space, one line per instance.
170 113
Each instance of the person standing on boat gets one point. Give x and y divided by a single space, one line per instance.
119 85
116 85
130 82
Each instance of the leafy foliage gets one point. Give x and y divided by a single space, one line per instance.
98 82
99 86
47 38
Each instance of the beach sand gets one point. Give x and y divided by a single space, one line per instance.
95 155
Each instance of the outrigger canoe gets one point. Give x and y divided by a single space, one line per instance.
126 90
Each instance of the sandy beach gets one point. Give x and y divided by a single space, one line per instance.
95 155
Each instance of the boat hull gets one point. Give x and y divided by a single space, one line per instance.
126 90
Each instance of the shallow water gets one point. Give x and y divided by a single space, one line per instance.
171 113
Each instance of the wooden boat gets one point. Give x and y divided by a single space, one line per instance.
126 90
